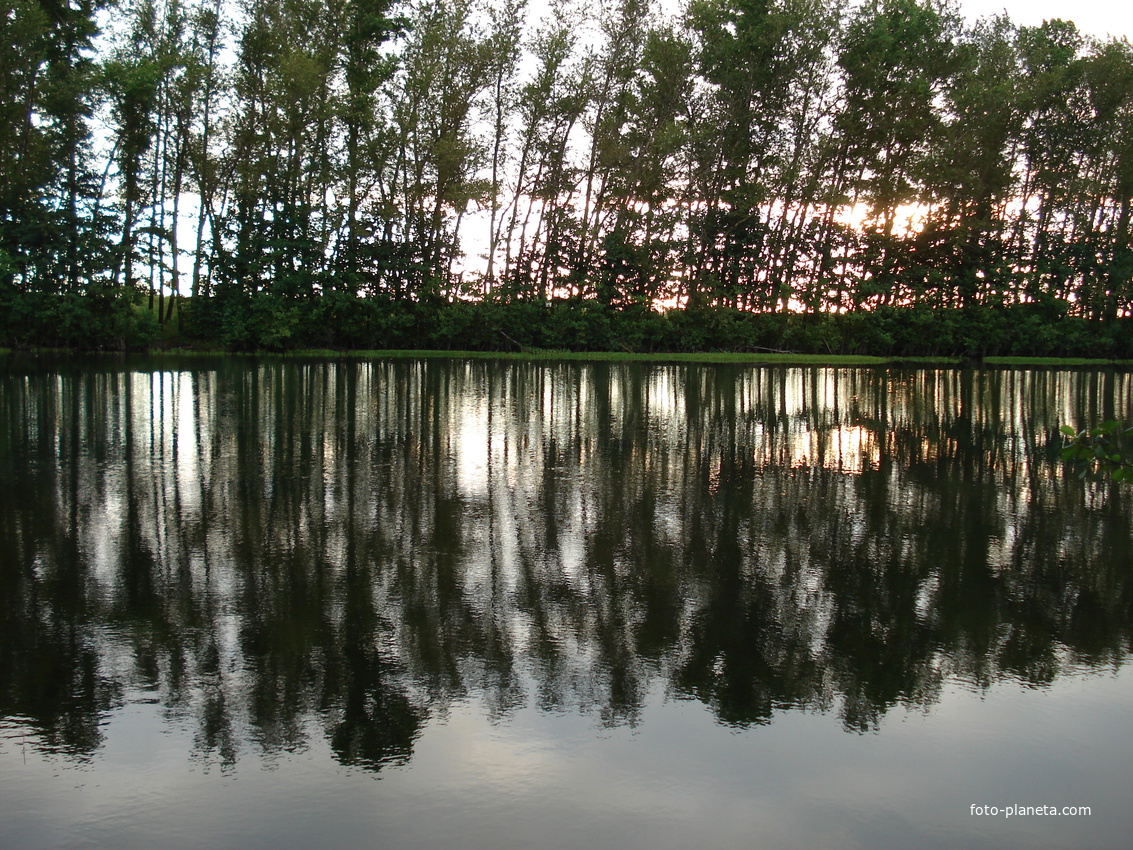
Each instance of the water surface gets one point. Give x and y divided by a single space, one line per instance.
496 604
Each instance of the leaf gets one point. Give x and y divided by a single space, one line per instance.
1068 430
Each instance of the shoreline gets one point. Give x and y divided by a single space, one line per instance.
706 357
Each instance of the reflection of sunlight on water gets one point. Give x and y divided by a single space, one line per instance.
854 450
665 396
189 419
473 452
1001 547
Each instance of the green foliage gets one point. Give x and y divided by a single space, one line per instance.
723 161
1106 450
338 320
103 317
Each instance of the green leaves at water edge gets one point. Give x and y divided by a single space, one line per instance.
1106 449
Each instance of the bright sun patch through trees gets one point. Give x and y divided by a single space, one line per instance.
274 165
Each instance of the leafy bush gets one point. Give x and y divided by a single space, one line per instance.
1104 450
340 320
102 317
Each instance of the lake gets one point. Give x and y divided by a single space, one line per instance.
493 604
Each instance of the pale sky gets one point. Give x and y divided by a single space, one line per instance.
1094 17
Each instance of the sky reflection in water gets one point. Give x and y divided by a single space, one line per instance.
553 605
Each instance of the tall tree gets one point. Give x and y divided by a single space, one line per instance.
367 29
897 57
550 108
51 230
276 226
973 165
446 70
749 55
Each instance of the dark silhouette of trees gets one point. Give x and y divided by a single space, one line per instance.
363 170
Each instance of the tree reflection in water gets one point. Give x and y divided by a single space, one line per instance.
276 550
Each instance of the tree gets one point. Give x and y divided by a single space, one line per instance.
52 229
445 71
367 28
550 108
897 57
971 167
280 152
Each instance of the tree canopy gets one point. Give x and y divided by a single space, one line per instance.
283 162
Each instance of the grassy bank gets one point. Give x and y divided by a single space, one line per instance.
744 358
735 358
1053 362
1043 329
1041 333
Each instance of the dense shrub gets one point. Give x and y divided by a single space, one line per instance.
110 318
102 317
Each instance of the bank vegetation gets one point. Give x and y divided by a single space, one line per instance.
741 175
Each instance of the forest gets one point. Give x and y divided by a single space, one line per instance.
792 175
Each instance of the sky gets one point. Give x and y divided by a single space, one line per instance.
1094 17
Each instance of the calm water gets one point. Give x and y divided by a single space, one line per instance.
477 604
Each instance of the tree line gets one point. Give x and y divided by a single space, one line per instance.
366 170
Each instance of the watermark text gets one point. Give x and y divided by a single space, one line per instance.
1017 811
